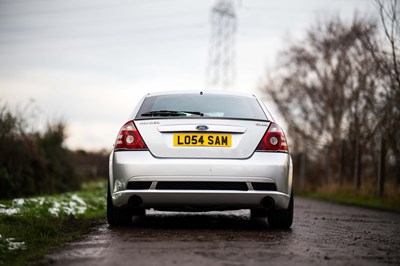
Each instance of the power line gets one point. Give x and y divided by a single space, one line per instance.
97 45
104 34
69 8
98 21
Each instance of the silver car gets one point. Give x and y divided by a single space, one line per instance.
200 151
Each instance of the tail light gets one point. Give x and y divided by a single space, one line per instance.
129 138
273 140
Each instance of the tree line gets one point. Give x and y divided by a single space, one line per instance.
35 162
339 90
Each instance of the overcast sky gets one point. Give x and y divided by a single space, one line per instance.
89 62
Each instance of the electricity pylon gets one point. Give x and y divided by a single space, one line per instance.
221 62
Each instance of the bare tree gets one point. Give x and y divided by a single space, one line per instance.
325 85
386 55
389 12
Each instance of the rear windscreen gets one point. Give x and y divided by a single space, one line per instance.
195 105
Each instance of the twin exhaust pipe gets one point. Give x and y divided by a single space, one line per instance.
135 201
268 203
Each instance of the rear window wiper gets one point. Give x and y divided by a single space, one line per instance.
171 113
193 113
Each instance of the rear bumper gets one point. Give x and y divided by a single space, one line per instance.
269 167
218 200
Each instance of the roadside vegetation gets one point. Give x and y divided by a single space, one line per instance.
38 211
348 196
32 227
338 88
35 161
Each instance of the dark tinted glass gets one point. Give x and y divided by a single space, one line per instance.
212 105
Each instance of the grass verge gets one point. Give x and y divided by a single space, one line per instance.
350 197
30 228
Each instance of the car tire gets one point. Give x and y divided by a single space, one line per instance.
117 216
281 219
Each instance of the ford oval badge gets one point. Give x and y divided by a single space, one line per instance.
202 128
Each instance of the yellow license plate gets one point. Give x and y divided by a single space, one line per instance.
207 140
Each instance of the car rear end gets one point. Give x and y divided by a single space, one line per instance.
200 151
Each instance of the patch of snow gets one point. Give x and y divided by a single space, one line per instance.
39 200
9 211
55 210
18 202
72 206
65 204
78 199
12 245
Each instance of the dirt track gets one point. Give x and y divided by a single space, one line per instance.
322 234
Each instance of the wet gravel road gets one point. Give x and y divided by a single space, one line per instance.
322 234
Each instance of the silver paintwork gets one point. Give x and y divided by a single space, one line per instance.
159 137
142 166
164 162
